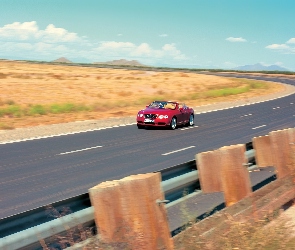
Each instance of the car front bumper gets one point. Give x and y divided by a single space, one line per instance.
155 123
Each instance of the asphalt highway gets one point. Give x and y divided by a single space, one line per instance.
39 172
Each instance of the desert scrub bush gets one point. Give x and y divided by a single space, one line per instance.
120 104
183 75
21 76
10 102
252 84
5 126
57 76
67 108
99 106
124 93
100 95
37 110
238 87
148 100
3 76
256 235
131 78
12 111
143 101
243 235
71 236
258 85
224 92
160 92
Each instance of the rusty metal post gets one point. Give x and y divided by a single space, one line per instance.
263 153
140 218
235 177
281 151
209 171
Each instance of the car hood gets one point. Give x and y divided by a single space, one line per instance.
156 111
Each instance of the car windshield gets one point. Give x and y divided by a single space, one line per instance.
162 105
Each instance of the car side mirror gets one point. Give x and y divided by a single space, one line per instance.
181 109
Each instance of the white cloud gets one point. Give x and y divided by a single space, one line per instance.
170 49
236 39
142 51
163 35
54 34
292 40
279 64
30 31
27 40
277 46
112 45
19 31
229 65
285 48
270 64
40 47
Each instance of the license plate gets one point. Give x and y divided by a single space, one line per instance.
148 120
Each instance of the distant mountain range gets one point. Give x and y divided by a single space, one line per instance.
122 62
260 67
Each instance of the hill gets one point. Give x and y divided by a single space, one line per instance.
122 62
62 60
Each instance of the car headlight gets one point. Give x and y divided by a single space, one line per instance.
163 116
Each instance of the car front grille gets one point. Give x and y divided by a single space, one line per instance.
150 116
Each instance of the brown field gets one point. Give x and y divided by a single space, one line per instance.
98 93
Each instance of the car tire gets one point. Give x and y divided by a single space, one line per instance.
173 123
140 126
191 120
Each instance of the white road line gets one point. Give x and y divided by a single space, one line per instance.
172 152
189 127
259 127
79 150
245 115
56 135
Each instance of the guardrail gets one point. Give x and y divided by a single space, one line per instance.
24 230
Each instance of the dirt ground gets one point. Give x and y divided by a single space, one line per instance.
109 92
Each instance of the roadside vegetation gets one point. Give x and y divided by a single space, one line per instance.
38 93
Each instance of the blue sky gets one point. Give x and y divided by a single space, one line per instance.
183 33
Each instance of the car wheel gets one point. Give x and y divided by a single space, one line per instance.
173 123
191 120
140 126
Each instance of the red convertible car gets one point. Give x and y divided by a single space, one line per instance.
165 114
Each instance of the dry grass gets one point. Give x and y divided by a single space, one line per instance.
108 92
246 235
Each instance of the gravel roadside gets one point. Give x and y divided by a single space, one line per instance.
83 126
